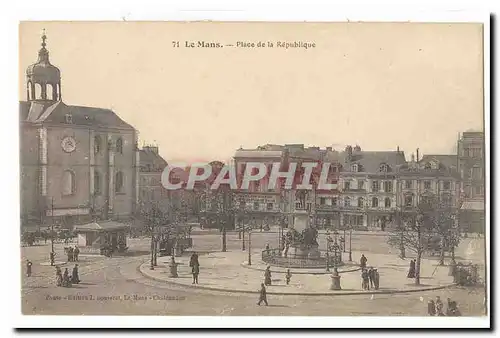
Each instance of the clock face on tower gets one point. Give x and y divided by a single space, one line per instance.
68 144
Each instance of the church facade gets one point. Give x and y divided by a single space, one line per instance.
76 163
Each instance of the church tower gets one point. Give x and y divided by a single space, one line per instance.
43 80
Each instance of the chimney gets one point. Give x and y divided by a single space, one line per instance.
418 157
412 157
348 156
397 149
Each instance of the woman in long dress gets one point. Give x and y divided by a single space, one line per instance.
267 276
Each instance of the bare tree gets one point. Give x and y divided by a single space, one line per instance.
417 230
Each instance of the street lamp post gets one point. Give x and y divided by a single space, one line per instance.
350 245
335 248
243 239
52 253
327 251
250 247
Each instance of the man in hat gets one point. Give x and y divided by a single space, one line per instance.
262 295
267 276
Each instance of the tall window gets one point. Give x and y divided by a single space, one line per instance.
427 184
119 146
476 173
334 201
119 182
387 202
408 200
408 184
446 185
322 201
374 202
388 186
347 202
360 202
354 168
347 185
375 186
97 183
68 186
97 144
361 184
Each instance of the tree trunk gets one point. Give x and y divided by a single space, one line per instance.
417 268
224 247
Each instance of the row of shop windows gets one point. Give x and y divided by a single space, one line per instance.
375 202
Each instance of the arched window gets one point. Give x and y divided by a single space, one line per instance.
360 202
374 202
68 183
347 202
119 182
38 91
50 91
387 202
119 146
97 183
384 168
354 168
428 165
97 144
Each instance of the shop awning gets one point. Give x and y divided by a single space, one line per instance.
473 206
101 226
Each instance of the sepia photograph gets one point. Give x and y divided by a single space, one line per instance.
253 169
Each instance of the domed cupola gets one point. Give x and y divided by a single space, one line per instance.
43 79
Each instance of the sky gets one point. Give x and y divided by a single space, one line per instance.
379 85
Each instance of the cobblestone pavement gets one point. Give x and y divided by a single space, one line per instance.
111 280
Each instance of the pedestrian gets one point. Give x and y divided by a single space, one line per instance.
70 254
196 271
452 309
28 267
66 279
75 279
363 261
262 295
431 308
288 276
267 246
365 280
411 272
267 276
59 277
439 306
371 277
376 279
76 252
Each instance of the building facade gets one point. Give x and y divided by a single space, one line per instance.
151 191
471 166
434 176
76 163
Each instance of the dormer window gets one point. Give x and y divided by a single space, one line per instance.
428 166
354 168
384 168
69 118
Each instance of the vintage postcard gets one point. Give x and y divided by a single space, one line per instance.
253 169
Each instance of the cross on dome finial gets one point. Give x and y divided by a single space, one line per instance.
44 37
